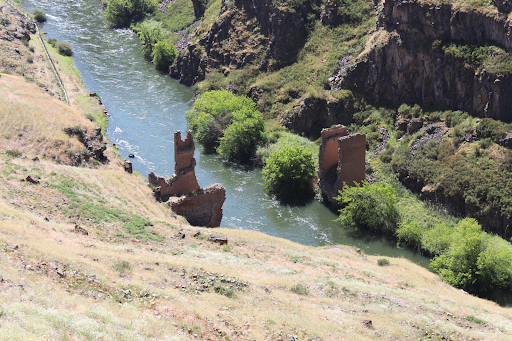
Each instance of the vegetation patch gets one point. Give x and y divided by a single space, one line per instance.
288 173
300 289
228 124
89 205
493 58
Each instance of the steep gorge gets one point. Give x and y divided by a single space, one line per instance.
406 64
403 60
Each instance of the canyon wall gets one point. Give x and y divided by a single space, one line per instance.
246 32
406 63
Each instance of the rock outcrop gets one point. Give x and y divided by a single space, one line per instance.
246 32
341 160
201 207
15 26
405 64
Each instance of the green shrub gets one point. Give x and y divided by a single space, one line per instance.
299 289
122 266
52 41
150 33
410 233
242 136
121 13
454 118
12 153
493 58
231 123
371 206
489 128
476 261
383 262
39 14
30 59
288 173
64 48
164 54
438 239
474 319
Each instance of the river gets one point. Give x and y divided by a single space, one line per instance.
147 107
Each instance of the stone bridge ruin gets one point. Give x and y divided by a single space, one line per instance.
341 160
201 207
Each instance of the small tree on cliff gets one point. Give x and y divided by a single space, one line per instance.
288 173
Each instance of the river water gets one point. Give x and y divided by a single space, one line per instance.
147 107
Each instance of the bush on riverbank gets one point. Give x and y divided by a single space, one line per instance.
465 256
121 13
288 173
39 14
371 206
164 54
475 261
64 48
227 124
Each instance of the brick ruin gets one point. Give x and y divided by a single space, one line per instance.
201 207
341 159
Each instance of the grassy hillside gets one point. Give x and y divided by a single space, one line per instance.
87 253
131 277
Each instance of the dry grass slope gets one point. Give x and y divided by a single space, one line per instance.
89 254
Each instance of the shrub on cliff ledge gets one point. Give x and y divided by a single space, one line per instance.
288 172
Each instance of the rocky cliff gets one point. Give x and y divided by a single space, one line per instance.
246 32
404 63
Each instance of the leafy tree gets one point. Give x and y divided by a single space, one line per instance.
371 206
288 172
475 261
164 54
149 34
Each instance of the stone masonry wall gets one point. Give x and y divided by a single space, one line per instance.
341 160
201 207
184 178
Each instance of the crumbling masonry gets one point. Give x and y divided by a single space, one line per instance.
201 207
341 160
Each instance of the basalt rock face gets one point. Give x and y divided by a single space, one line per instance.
311 115
406 66
246 32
